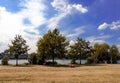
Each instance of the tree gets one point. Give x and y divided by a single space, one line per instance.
101 53
42 52
92 58
80 48
114 53
18 47
5 60
72 53
32 59
52 45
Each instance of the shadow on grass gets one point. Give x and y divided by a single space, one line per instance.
19 65
92 65
57 65
24 65
75 65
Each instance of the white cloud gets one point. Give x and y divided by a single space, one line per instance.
64 8
80 8
72 35
76 32
13 23
113 25
60 5
98 39
94 40
34 12
53 22
103 26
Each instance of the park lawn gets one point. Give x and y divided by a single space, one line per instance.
45 74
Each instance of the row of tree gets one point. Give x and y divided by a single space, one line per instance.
54 45
103 53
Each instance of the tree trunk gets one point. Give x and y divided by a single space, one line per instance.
80 59
53 59
111 60
43 59
95 59
17 62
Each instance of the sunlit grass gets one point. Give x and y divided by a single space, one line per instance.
45 74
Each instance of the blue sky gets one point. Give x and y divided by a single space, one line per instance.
97 21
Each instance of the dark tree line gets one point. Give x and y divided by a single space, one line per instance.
53 45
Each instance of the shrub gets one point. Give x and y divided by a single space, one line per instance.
5 60
73 61
32 59
51 63
90 60
40 62
26 63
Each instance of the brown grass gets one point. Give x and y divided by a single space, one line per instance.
44 74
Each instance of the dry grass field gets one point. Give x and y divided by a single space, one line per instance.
45 74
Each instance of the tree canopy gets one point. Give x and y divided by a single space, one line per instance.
52 45
79 49
114 54
104 53
18 47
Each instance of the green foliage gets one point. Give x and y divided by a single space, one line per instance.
103 53
114 54
32 59
18 47
52 45
90 60
5 60
79 49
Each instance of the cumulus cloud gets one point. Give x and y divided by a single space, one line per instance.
34 11
31 17
113 26
64 8
79 7
103 26
13 23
